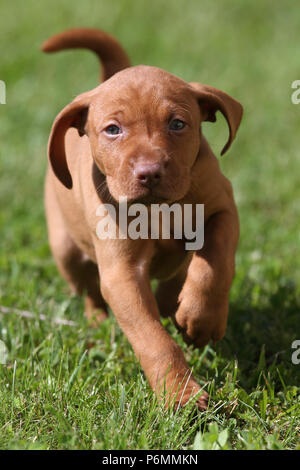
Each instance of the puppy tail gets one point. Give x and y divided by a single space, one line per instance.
111 54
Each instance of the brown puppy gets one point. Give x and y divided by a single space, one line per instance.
138 135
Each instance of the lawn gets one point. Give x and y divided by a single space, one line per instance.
70 387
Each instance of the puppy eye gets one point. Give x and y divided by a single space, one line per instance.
177 125
113 130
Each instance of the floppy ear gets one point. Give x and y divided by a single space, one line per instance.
73 115
212 100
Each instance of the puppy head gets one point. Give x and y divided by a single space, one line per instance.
143 125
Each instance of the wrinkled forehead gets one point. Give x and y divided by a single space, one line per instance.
144 89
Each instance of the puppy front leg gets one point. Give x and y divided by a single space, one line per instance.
127 290
203 310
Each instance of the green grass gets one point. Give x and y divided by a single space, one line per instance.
54 394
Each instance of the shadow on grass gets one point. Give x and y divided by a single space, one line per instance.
264 321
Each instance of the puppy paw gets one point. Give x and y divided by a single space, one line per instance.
179 397
95 315
198 327
201 402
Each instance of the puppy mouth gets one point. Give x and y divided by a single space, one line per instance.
139 195
146 197
150 198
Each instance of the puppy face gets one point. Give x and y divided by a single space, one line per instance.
144 128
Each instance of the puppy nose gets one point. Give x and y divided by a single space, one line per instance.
148 174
